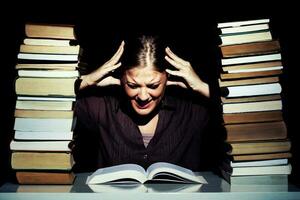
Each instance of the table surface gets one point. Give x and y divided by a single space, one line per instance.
251 187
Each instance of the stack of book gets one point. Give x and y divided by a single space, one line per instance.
251 99
47 70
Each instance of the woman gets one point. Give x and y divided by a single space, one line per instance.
139 122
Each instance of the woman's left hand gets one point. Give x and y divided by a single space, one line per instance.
185 71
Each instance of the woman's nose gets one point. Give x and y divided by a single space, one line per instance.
143 94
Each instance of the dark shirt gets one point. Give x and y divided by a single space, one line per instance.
106 133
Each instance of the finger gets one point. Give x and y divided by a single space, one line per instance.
112 68
116 57
175 57
174 73
109 80
176 83
174 63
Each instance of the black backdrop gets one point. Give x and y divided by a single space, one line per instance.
191 28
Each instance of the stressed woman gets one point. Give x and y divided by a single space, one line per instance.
137 121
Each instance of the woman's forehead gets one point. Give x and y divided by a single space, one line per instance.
146 74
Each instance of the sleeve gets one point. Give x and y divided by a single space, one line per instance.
85 140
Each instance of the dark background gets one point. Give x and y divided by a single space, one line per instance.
190 26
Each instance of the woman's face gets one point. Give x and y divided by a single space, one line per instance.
145 88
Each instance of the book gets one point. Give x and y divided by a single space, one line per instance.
251 59
272 162
48 73
43 135
255 48
260 147
244 29
44 49
252 106
57 146
43 66
44 124
160 171
225 76
46 42
251 99
246 38
50 57
41 161
48 114
62 31
256 131
242 23
250 81
252 90
262 170
256 69
44 105
65 178
251 66
264 156
52 99
45 86
239 118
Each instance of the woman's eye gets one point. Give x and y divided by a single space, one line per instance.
153 86
132 86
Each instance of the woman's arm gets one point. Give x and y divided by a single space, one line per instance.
101 76
185 71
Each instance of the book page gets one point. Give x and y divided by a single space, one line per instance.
117 174
180 174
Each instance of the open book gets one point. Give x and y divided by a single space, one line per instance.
133 173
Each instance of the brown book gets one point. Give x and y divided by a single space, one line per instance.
267 156
59 31
64 178
251 99
44 105
45 86
249 81
41 161
260 147
22 113
252 66
227 76
256 131
238 118
254 48
256 106
49 49
65 66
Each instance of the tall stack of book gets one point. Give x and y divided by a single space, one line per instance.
47 70
251 99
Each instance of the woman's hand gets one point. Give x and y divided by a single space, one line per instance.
101 76
186 72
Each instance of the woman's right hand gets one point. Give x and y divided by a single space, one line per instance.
101 76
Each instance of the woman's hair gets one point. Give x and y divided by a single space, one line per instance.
142 52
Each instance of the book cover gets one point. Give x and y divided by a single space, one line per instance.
45 86
255 48
39 178
42 161
59 31
256 131
50 146
260 147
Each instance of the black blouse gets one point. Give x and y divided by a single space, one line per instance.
106 134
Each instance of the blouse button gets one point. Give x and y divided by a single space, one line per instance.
145 156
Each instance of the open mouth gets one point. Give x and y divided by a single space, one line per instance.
143 104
